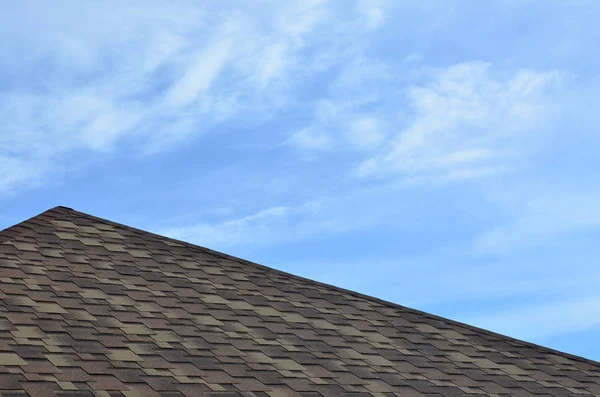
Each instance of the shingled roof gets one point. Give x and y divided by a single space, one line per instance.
90 307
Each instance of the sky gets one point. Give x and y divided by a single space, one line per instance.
442 155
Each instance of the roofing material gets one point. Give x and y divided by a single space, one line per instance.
89 307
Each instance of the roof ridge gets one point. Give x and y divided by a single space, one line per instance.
69 211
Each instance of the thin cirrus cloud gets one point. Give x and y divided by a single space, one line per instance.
350 116
268 226
187 77
467 123
462 122
365 132
311 138
153 88
261 227
201 74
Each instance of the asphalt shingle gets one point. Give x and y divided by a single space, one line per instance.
89 307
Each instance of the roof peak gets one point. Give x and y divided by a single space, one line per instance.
62 207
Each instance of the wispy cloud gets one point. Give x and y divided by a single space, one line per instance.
146 91
249 229
310 138
202 72
349 116
134 87
15 170
467 123
462 122
365 132
274 225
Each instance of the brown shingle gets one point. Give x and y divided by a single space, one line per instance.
89 304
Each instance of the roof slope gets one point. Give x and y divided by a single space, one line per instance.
91 305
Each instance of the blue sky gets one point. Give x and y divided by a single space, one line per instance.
441 155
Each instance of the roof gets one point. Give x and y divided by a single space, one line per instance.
91 307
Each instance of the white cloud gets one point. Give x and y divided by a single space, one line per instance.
149 76
301 17
271 226
104 128
341 116
373 13
15 171
467 123
248 229
309 138
153 77
365 132
258 227
362 77
201 74
272 63
413 57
